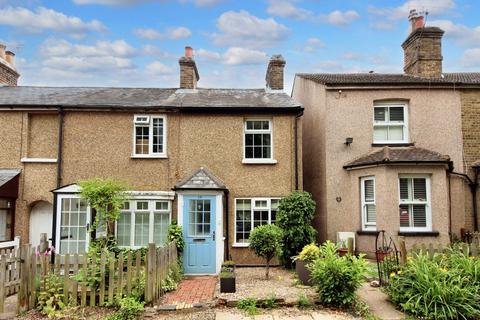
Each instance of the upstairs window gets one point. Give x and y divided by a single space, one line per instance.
415 203
369 208
149 136
258 140
390 123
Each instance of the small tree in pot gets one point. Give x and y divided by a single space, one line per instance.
227 277
266 241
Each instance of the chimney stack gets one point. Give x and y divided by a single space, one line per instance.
422 48
188 70
8 73
274 76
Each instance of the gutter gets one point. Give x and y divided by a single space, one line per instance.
295 126
61 115
382 162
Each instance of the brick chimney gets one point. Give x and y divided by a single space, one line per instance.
8 73
274 76
188 70
422 48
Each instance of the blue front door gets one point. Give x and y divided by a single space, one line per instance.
199 232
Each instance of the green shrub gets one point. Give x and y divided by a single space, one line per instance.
303 301
248 305
173 278
128 309
175 233
337 278
270 302
227 274
294 217
50 298
445 286
266 243
309 253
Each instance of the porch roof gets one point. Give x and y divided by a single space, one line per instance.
201 179
399 155
9 182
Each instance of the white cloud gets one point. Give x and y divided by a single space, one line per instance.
171 33
233 56
460 33
43 19
244 29
286 9
158 68
199 3
312 44
339 18
471 58
434 8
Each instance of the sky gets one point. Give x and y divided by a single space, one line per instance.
137 43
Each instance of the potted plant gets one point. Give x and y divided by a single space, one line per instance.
227 277
381 253
343 248
309 253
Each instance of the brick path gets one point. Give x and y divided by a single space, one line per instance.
192 290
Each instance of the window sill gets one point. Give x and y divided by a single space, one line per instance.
259 161
367 232
419 233
240 245
392 144
147 156
38 160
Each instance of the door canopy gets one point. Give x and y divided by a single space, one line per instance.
201 179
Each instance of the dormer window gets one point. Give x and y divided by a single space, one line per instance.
390 123
149 136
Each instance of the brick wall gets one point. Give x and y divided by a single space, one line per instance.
471 142
8 76
274 76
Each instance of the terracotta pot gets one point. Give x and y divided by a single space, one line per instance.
303 273
227 285
342 252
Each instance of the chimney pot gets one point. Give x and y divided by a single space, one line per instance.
10 57
274 76
188 52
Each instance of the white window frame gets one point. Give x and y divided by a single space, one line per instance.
366 226
428 206
58 239
151 210
150 153
387 123
270 160
252 208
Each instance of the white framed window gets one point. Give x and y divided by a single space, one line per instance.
258 141
414 207
251 213
369 208
390 123
73 215
149 136
142 222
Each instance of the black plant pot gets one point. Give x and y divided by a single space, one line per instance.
303 273
227 285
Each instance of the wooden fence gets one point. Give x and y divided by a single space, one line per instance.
471 249
85 283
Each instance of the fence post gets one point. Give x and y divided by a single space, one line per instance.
43 243
403 251
3 269
350 246
22 303
150 268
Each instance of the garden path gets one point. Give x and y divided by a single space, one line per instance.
192 290
379 303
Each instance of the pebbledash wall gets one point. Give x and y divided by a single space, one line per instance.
99 144
330 117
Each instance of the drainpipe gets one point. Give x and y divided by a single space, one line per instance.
295 128
473 185
59 177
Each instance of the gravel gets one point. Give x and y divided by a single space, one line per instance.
251 283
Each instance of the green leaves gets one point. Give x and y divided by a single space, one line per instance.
445 286
106 197
294 217
266 242
337 278
175 234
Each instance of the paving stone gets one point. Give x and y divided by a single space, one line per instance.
379 303
263 317
167 307
225 315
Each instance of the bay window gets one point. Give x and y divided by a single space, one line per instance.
369 209
415 209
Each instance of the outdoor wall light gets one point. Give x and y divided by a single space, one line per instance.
348 141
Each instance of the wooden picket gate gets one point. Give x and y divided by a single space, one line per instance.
24 271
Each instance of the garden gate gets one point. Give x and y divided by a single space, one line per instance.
387 256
